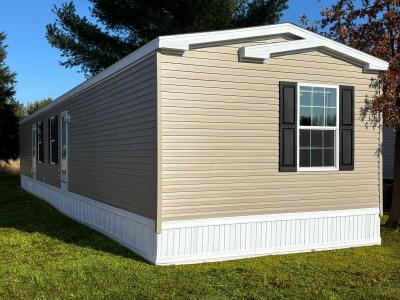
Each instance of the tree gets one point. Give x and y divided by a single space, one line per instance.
19 109
373 26
36 105
9 139
122 26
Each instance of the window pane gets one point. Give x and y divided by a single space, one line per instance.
316 138
306 89
305 116
304 138
317 116
316 157
53 128
318 97
304 158
305 96
330 97
329 138
317 108
330 116
329 158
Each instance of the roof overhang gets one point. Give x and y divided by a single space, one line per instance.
262 53
305 40
179 44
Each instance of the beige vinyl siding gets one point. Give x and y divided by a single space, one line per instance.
112 140
388 152
220 129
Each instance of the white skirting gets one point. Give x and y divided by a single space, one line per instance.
131 230
192 241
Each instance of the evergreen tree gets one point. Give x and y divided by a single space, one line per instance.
9 140
38 104
124 25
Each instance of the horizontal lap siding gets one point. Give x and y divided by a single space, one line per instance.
112 140
220 129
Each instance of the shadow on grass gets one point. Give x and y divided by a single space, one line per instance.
23 211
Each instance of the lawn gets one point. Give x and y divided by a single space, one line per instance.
44 254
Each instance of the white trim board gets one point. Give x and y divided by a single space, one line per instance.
181 43
263 53
214 239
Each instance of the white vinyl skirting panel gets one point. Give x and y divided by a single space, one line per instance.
133 231
194 241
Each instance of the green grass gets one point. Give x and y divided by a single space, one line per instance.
44 254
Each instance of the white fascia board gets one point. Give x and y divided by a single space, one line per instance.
183 42
310 40
264 52
111 70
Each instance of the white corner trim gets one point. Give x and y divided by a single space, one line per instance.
213 239
264 52
180 43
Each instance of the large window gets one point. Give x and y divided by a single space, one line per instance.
317 127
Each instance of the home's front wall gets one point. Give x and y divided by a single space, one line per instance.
112 141
220 129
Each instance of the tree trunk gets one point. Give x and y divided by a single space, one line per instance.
394 218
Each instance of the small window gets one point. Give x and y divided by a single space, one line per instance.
53 135
318 127
40 141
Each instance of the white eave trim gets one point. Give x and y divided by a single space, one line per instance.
178 44
262 53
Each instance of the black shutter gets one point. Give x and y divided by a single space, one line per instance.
287 126
55 144
346 128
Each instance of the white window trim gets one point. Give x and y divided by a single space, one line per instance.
298 127
51 141
66 116
39 142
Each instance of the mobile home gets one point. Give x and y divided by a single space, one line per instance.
215 146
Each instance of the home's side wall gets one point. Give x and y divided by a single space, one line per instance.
388 152
112 141
220 137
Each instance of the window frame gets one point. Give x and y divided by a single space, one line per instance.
51 120
299 127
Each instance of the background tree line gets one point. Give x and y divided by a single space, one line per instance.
11 111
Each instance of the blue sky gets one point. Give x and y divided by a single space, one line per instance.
36 63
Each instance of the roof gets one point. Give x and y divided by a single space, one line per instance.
181 43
